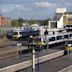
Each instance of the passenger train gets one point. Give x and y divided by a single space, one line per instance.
52 39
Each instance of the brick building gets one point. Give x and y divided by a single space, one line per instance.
5 22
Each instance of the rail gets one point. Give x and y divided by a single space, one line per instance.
28 63
68 69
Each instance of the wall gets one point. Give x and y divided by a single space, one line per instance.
60 23
65 19
5 22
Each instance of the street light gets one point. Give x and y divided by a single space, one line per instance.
37 43
33 53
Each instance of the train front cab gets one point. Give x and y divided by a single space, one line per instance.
16 35
40 43
68 48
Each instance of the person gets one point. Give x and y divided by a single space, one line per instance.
53 32
46 32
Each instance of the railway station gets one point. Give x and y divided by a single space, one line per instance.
38 48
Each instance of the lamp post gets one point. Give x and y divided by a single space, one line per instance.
33 59
33 54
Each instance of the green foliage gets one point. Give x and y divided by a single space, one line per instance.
20 21
32 21
45 22
17 23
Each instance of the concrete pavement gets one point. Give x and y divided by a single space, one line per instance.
52 65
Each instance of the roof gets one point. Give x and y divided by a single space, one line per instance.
58 16
34 25
68 13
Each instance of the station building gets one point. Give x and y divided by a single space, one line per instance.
61 19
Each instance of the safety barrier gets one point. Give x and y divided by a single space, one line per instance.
28 63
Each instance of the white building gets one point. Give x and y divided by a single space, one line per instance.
57 22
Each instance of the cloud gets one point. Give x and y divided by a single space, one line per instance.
44 4
4 10
68 4
22 8
13 8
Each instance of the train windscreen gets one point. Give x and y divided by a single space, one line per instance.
15 33
37 40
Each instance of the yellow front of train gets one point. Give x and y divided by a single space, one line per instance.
39 41
68 47
16 35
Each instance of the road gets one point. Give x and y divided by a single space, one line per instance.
52 65
24 57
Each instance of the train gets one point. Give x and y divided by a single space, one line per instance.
42 42
52 39
20 33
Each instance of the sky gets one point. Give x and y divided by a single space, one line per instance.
32 9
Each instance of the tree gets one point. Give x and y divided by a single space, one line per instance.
17 23
32 21
14 23
20 22
45 22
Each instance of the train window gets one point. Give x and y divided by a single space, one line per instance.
39 39
52 39
59 37
70 35
65 36
15 33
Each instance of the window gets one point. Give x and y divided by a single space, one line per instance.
15 33
59 37
70 35
70 19
65 36
51 38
